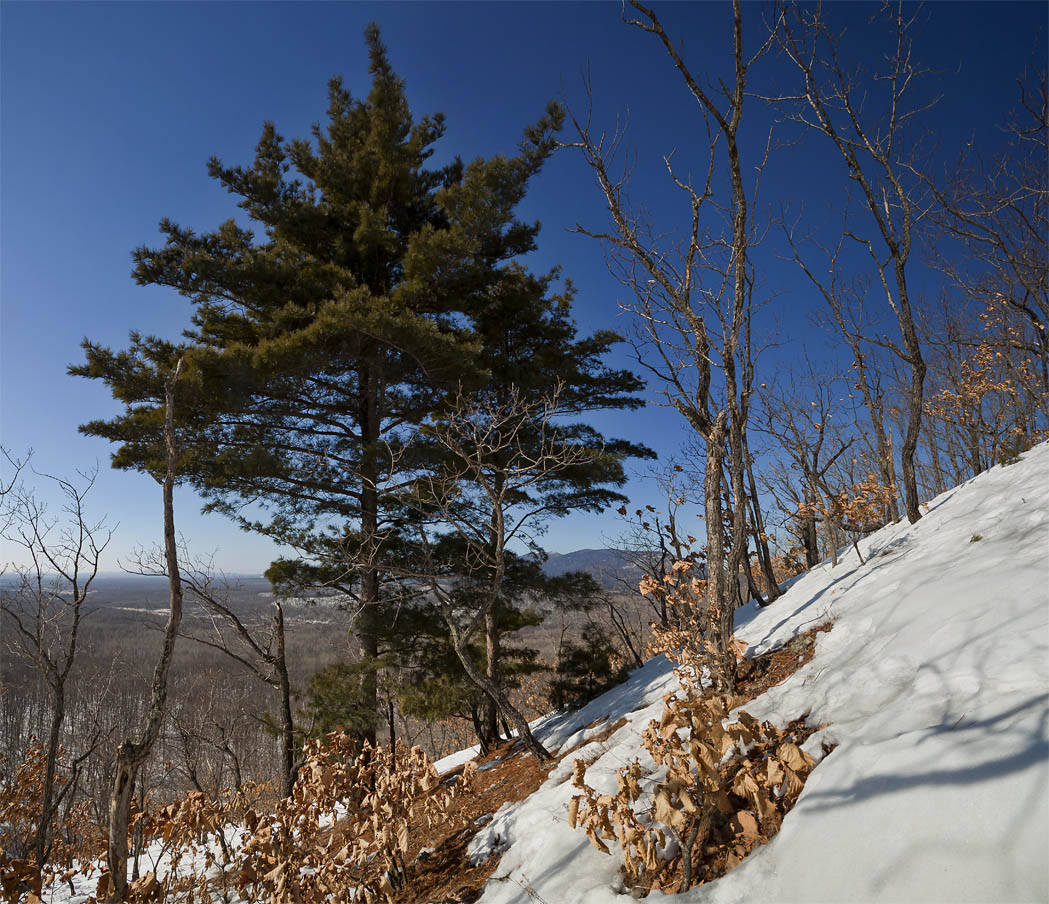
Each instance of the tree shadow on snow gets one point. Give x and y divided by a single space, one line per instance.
1034 752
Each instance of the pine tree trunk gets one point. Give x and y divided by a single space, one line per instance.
368 618
490 712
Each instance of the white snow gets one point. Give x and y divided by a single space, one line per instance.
934 683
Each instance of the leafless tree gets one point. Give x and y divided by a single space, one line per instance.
692 300
799 419
43 607
654 539
845 298
997 210
132 753
261 652
872 135
501 454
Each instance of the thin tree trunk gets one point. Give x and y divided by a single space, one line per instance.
490 712
761 544
910 440
41 845
132 754
509 711
490 717
287 722
624 635
752 588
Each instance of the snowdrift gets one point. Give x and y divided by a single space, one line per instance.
933 682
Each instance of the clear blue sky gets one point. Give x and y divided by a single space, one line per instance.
109 112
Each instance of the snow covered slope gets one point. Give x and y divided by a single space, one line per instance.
934 681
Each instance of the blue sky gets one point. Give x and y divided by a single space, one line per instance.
109 112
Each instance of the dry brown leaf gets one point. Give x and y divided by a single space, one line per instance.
794 757
775 771
579 773
744 824
595 841
664 810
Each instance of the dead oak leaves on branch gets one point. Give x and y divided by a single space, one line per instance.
726 789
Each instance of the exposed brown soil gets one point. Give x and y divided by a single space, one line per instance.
757 675
445 874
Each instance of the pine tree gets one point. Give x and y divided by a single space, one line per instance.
317 345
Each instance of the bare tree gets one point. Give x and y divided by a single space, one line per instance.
44 606
693 302
997 210
262 653
503 456
845 297
799 419
871 135
132 753
654 539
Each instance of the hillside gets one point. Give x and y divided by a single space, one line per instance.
933 682
930 685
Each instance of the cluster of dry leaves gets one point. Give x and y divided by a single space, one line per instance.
76 841
726 789
344 834
859 508
987 384
682 639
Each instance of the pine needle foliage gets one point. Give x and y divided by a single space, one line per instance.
329 319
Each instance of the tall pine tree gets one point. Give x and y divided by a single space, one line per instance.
318 345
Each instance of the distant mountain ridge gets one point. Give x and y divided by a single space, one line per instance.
609 567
